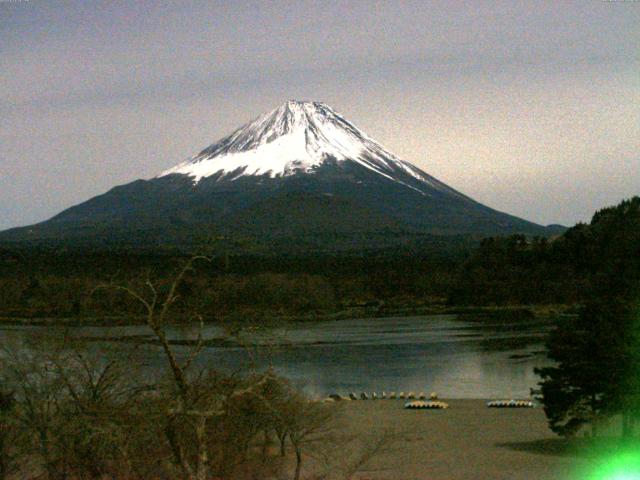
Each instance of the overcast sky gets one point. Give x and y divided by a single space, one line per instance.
530 107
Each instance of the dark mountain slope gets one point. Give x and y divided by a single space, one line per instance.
298 171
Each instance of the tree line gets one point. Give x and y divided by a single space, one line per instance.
60 284
500 271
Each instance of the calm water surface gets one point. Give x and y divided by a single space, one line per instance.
454 357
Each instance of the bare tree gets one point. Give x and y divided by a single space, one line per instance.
39 393
70 407
8 435
195 400
240 411
196 414
306 422
100 391
84 414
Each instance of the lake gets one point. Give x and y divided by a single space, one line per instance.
455 357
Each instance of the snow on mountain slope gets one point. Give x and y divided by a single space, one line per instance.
299 178
297 137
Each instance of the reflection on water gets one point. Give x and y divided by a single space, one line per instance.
441 353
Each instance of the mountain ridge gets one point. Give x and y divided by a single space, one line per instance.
300 170
297 137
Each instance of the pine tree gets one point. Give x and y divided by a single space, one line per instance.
597 354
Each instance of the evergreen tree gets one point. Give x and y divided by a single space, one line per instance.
597 354
593 376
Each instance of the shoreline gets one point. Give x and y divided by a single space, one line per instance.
496 313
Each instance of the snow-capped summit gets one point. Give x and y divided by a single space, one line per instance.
299 178
298 136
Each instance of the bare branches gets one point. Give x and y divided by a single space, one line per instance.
156 317
90 419
171 296
148 306
197 348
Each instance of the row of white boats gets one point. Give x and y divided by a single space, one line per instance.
383 396
419 401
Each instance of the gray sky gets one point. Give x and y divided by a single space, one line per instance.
530 107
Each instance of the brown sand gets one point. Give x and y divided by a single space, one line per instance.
466 441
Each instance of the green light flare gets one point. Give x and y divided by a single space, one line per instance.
617 466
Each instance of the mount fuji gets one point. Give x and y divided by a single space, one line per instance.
298 177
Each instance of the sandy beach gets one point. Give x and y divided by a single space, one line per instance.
464 442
